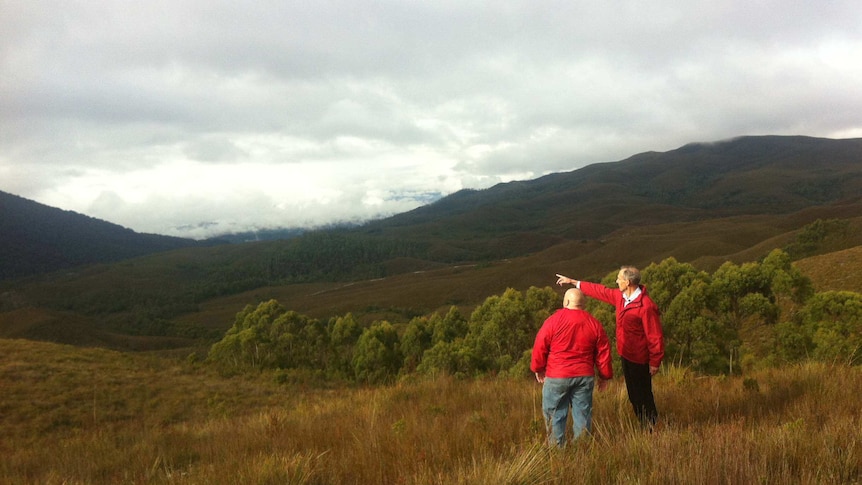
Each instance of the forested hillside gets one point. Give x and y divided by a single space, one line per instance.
753 315
744 176
35 238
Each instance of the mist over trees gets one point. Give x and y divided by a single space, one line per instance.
738 318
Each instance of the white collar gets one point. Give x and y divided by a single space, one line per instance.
633 296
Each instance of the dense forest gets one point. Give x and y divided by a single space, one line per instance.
739 317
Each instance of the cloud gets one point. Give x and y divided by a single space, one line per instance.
164 115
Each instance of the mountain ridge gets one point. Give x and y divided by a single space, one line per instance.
36 238
688 183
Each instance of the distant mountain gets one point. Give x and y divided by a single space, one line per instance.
747 175
36 238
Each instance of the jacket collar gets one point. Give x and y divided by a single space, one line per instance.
636 297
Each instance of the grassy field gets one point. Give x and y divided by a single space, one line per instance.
88 416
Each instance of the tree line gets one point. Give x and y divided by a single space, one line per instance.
739 317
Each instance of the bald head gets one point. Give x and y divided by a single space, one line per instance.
573 299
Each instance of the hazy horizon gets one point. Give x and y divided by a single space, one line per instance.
198 118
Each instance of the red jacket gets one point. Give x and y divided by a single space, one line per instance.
639 335
570 344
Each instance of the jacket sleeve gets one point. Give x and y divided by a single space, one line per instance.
654 334
541 348
601 292
603 353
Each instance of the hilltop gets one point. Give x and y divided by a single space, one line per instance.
36 238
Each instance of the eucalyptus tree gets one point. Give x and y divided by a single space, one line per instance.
377 357
828 328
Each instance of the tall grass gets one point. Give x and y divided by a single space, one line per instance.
75 416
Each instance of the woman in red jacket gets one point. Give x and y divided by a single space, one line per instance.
640 341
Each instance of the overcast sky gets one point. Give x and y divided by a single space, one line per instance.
193 117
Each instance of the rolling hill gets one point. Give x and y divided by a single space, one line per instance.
35 238
744 176
703 203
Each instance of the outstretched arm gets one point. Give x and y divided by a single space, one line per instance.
565 280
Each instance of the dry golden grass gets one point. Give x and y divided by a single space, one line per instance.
835 271
86 416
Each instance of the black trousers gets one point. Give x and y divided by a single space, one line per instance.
639 388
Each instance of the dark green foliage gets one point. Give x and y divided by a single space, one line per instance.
377 358
667 279
751 313
713 320
415 341
692 336
719 323
829 328
337 255
813 236
455 358
493 340
343 332
503 326
835 322
448 328
270 337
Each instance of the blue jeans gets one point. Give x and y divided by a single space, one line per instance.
560 393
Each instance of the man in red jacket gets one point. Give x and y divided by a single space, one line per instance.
570 344
640 341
